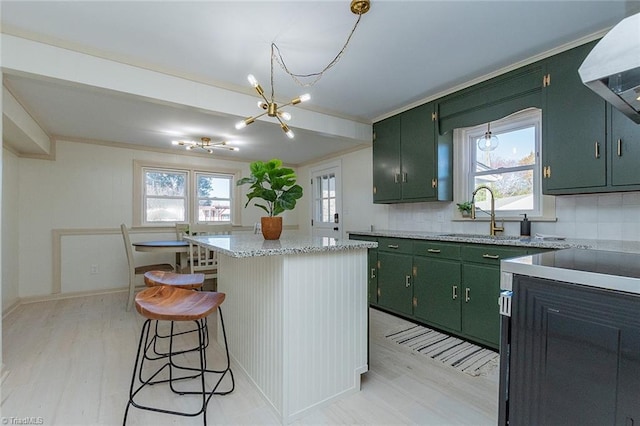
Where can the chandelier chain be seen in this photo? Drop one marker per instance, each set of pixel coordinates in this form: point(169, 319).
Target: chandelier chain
point(277, 56)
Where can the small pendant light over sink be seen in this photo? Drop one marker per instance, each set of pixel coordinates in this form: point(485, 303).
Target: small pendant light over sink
point(489, 141)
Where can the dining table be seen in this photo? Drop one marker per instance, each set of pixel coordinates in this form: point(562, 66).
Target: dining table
point(179, 247)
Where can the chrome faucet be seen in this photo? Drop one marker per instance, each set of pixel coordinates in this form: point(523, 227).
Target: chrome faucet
point(493, 228)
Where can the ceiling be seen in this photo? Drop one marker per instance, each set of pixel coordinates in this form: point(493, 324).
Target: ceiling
point(403, 52)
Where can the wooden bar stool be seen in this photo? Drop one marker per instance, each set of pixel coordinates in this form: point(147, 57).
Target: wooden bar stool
point(186, 281)
point(167, 303)
point(173, 279)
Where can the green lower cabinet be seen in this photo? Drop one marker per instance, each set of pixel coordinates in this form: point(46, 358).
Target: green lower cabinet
point(480, 292)
point(373, 276)
point(395, 291)
point(436, 292)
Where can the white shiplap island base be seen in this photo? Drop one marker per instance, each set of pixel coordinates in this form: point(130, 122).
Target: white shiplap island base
point(296, 315)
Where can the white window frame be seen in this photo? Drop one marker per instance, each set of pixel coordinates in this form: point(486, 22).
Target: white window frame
point(464, 153)
point(191, 213)
point(197, 198)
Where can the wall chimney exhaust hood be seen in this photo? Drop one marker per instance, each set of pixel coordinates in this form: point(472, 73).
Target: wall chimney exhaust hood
point(612, 68)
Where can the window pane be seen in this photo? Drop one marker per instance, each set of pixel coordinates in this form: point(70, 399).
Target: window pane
point(214, 211)
point(214, 186)
point(165, 210)
point(515, 148)
point(165, 184)
point(513, 191)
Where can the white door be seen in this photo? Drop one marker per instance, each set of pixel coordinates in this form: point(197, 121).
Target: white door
point(326, 209)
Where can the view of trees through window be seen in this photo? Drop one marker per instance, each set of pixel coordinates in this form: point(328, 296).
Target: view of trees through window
point(508, 169)
point(167, 196)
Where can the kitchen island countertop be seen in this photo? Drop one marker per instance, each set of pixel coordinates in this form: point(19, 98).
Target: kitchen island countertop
point(254, 245)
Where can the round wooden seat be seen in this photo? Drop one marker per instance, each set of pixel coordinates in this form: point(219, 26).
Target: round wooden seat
point(188, 281)
point(176, 304)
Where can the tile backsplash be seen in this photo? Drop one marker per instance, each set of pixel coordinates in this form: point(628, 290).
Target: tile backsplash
point(614, 216)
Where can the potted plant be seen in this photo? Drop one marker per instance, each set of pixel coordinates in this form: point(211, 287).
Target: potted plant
point(465, 208)
point(276, 186)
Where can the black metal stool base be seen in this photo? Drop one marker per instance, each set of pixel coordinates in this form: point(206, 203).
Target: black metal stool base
point(146, 344)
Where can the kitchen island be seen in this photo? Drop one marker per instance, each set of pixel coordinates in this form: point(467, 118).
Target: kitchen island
point(295, 314)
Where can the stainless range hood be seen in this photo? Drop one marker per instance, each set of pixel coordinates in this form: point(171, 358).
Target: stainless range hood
point(612, 69)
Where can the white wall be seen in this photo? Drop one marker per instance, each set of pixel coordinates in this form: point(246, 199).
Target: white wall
point(89, 186)
point(10, 242)
point(358, 210)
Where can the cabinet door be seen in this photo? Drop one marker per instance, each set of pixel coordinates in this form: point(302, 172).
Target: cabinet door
point(373, 276)
point(394, 282)
point(386, 160)
point(574, 355)
point(418, 153)
point(625, 150)
point(573, 144)
point(436, 289)
point(480, 316)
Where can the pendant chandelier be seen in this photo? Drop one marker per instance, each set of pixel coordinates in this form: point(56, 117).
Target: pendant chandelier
point(205, 144)
point(269, 106)
point(489, 141)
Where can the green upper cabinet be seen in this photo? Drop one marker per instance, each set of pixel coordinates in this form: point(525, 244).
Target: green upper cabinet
point(588, 146)
point(417, 154)
point(574, 131)
point(411, 162)
point(625, 152)
point(386, 160)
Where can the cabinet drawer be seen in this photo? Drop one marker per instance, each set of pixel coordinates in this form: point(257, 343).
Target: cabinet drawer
point(489, 254)
point(396, 245)
point(436, 249)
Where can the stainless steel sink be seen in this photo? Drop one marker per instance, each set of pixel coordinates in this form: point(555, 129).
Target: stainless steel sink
point(482, 236)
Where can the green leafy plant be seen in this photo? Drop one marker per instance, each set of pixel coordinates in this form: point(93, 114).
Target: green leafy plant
point(274, 184)
point(464, 207)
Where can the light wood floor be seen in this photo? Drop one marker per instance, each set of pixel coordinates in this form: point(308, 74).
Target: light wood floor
point(70, 362)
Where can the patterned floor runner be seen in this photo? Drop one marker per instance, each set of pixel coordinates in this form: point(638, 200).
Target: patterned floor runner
point(460, 354)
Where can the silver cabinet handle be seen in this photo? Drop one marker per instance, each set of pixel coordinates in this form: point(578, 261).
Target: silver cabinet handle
point(404, 177)
point(407, 281)
point(396, 178)
point(392, 246)
point(467, 295)
point(491, 256)
point(619, 147)
point(597, 150)
point(373, 272)
point(433, 250)
point(454, 292)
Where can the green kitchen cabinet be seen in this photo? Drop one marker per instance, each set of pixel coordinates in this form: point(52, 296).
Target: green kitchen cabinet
point(372, 267)
point(574, 131)
point(436, 284)
point(395, 290)
point(481, 289)
point(479, 298)
point(386, 160)
point(411, 161)
point(372, 280)
point(625, 152)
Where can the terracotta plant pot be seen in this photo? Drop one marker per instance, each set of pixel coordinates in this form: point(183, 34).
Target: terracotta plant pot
point(271, 227)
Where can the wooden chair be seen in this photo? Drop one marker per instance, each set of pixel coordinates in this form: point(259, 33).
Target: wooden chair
point(174, 304)
point(137, 270)
point(202, 259)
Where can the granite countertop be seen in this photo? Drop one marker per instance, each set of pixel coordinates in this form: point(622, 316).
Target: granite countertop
point(593, 268)
point(506, 240)
point(254, 245)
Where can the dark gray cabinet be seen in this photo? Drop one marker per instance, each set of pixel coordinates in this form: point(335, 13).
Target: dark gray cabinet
point(575, 355)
